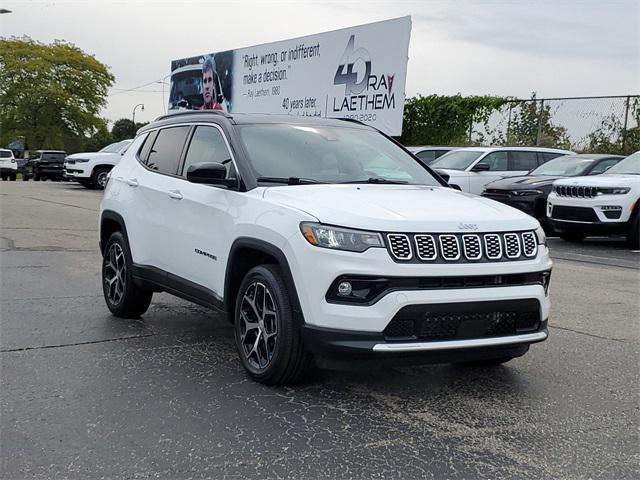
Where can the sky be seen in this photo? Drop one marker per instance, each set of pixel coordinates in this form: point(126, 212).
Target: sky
point(501, 47)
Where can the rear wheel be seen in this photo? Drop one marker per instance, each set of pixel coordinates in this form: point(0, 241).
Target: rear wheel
point(4, 177)
point(123, 297)
point(267, 334)
point(12, 177)
point(99, 178)
point(572, 237)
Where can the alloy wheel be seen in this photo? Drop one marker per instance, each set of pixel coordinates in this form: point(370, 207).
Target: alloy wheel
point(259, 325)
point(115, 270)
point(102, 179)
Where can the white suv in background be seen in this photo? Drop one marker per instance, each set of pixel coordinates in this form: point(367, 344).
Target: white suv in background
point(602, 205)
point(92, 168)
point(470, 169)
point(8, 165)
point(319, 238)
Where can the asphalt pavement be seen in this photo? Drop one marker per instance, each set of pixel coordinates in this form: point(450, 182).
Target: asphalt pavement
point(86, 395)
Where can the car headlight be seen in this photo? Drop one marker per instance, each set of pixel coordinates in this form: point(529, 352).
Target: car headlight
point(340, 238)
point(81, 160)
point(613, 191)
point(522, 193)
point(541, 236)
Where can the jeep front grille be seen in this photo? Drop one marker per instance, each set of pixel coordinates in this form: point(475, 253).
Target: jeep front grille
point(575, 191)
point(453, 247)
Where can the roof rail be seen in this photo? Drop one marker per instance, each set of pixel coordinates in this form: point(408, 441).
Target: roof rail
point(352, 120)
point(193, 112)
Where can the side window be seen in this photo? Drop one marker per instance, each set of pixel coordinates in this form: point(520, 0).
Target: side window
point(167, 148)
point(145, 148)
point(603, 166)
point(549, 156)
point(208, 145)
point(497, 161)
point(522, 161)
point(439, 153)
point(427, 156)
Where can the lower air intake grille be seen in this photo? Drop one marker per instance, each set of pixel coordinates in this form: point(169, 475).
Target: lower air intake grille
point(460, 321)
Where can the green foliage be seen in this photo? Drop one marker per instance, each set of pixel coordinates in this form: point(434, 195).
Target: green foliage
point(100, 139)
point(611, 137)
point(445, 120)
point(50, 94)
point(531, 125)
point(124, 129)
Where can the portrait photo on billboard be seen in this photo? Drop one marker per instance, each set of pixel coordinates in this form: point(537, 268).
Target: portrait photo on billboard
point(203, 82)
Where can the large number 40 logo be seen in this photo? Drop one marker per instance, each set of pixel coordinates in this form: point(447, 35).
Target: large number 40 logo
point(352, 63)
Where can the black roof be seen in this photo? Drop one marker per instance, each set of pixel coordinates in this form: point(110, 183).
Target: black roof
point(251, 118)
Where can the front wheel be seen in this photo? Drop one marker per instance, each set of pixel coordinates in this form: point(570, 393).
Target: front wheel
point(12, 177)
point(100, 177)
point(267, 334)
point(123, 297)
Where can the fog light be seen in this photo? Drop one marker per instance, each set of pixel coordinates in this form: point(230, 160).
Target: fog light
point(344, 289)
point(610, 207)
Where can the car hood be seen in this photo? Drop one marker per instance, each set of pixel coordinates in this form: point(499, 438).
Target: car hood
point(400, 208)
point(604, 180)
point(95, 156)
point(524, 182)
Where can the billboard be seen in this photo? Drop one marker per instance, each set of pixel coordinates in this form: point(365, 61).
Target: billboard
point(357, 72)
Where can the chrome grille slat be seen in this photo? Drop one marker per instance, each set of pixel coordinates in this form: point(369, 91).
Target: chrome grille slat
point(449, 247)
point(529, 244)
point(511, 245)
point(425, 247)
point(400, 246)
point(472, 247)
point(493, 246)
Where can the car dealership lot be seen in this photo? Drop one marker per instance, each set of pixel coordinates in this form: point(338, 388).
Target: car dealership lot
point(87, 395)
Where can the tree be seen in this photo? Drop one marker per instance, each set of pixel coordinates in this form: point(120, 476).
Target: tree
point(445, 120)
point(100, 139)
point(611, 136)
point(50, 94)
point(531, 125)
point(124, 129)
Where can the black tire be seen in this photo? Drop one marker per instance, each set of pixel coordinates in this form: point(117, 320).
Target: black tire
point(13, 177)
point(572, 237)
point(99, 178)
point(86, 183)
point(36, 177)
point(4, 177)
point(128, 301)
point(288, 359)
point(633, 237)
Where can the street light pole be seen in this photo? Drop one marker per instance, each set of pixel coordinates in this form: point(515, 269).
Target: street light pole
point(134, 113)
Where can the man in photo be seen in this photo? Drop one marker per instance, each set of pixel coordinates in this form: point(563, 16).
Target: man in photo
point(211, 88)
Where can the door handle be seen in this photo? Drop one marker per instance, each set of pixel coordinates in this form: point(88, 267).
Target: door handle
point(175, 194)
point(133, 182)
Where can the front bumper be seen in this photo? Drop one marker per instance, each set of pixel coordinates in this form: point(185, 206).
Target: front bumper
point(341, 345)
point(590, 216)
point(315, 269)
point(7, 169)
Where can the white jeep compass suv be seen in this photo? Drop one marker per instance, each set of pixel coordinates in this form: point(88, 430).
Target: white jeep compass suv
point(320, 239)
point(603, 205)
point(8, 165)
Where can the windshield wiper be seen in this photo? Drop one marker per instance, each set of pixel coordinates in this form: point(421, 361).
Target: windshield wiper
point(288, 180)
point(378, 180)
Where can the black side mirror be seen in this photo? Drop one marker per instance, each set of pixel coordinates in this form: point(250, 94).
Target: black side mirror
point(481, 167)
point(210, 173)
point(455, 187)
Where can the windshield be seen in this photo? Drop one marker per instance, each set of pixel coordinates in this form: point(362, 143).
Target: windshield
point(456, 160)
point(330, 155)
point(115, 147)
point(629, 166)
point(5, 154)
point(568, 166)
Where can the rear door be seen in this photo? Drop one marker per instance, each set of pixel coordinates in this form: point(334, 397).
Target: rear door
point(154, 184)
point(521, 162)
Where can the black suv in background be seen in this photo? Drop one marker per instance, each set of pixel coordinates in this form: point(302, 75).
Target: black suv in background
point(44, 164)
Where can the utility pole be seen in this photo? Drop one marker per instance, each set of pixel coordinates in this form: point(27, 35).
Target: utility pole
point(624, 129)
